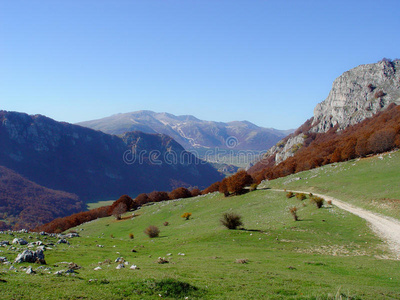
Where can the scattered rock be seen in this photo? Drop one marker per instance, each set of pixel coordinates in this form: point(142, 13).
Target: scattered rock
point(19, 241)
point(97, 268)
point(120, 260)
point(120, 266)
point(30, 271)
point(3, 259)
point(182, 254)
point(4, 243)
point(59, 273)
point(72, 235)
point(133, 267)
point(242, 261)
point(31, 257)
point(162, 260)
point(133, 250)
point(62, 241)
point(100, 246)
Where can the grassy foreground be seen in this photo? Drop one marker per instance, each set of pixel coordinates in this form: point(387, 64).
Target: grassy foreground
point(372, 183)
point(329, 254)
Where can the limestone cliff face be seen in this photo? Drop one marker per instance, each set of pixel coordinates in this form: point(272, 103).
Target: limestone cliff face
point(355, 95)
point(358, 94)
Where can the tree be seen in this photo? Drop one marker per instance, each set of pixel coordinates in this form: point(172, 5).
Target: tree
point(118, 210)
point(180, 192)
point(238, 181)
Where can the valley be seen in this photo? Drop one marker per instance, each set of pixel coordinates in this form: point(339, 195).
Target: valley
point(328, 254)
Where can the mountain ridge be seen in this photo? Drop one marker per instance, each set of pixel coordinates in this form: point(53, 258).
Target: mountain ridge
point(189, 131)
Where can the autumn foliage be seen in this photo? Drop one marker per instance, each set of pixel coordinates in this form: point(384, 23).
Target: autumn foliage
point(180, 192)
point(374, 135)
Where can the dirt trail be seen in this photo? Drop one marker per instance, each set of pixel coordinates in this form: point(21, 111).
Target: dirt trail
point(386, 227)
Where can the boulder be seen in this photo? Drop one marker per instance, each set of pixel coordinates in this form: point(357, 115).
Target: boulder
point(31, 257)
point(19, 241)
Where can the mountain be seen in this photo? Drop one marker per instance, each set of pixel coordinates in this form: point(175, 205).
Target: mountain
point(95, 165)
point(25, 204)
point(191, 132)
point(356, 95)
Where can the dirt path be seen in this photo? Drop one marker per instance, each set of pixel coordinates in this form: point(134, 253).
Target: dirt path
point(386, 227)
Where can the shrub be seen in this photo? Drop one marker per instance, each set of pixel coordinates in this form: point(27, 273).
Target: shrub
point(152, 231)
point(166, 223)
point(318, 201)
point(301, 196)
point(142, 199)
point(158, 196)
point(231, 220)
point(124, 199)
point(293, 212)
point(237, 182)
point(118, 210)
point(195, 192)
point(289, 195)
point(329, 202)
point(180, 192)
point(131, 236)
point(186, 215)
point(212, 188)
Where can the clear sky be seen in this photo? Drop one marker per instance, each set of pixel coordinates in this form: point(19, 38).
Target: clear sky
point(268, 62)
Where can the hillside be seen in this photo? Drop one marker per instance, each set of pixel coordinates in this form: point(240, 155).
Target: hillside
point(371, 136)
point(356, 95)
point(24, 204)
point(370, 183)
point(192, 133)
point(328, 254)
point(94, 165)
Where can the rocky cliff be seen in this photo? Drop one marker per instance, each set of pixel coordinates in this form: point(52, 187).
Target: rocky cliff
point(355, 95)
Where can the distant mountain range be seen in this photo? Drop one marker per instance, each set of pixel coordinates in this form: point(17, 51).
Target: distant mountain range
point(91, 164)
point(190, 132)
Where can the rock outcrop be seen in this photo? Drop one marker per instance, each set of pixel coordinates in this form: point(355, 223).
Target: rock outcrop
point(355, 95)
point(359, 94)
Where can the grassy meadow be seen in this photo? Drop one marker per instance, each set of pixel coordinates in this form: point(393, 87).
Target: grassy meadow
point(328, 254)
point(372, 183)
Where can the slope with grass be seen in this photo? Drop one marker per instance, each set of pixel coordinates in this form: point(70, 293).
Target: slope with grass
point(371, 183)
point(328, 254)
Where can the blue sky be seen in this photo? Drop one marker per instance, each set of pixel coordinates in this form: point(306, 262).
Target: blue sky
point(268, 62)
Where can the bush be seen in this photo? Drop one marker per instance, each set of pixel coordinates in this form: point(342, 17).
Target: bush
point(142, 199)
point(158, 196)
point(180, 192)
point(166, 223)
point(301, 196)
point(118, 210)
point(289, 195)
point(318, 201)
point(231, 220)
point(186, 215)
point(293, 212)
point(131, 236)
point(237, 182)
point(195, 192)
point(152, 231)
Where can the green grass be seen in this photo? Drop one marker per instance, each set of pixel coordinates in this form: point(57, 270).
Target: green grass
point(93, 205)
point(372, 183)
point(327, 255)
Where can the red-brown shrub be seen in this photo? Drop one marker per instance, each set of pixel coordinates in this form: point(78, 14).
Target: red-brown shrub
point(180, 192)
